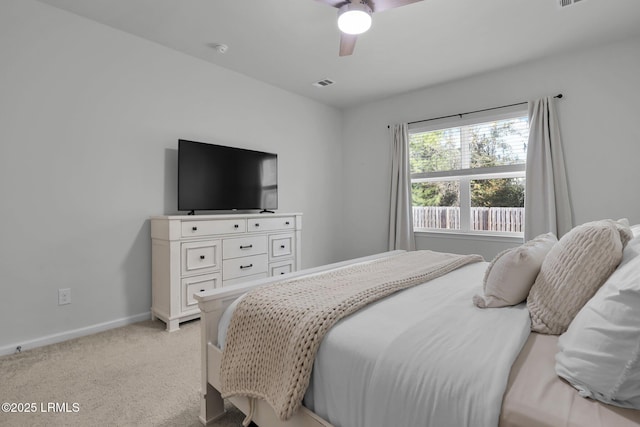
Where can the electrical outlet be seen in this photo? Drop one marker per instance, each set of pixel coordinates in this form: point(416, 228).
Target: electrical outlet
point(64, 296)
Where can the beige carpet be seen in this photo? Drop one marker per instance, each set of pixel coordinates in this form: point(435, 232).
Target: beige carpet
point(137, 375)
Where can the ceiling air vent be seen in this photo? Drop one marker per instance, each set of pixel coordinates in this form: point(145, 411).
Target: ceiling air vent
point(328, 82)
point(565, 3)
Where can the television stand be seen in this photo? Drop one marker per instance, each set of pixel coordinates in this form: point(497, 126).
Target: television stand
point(191, 212)
point(266, 211)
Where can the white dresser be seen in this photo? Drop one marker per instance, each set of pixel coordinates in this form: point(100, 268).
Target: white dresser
point(193, 253)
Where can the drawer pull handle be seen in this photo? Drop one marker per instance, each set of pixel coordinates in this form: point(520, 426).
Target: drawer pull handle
point(242, 267)
point(194, 228)
point(282, 272)
point(286, 223)
point(201, 256)
point(257, 224)
point(201, 290)
point(236, 226)
point(281, 246)
point(246, 247)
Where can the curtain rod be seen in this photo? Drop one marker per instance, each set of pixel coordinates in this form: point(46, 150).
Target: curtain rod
point(559, 96)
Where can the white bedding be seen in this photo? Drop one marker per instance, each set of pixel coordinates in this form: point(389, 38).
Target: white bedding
point(425, 356)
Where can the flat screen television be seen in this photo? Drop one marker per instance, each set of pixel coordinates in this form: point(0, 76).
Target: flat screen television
point(217, 177)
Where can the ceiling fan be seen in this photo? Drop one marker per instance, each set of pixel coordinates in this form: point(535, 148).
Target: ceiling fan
point(354, 17)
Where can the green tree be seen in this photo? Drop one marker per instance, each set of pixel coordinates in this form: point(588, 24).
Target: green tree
point(433, 151)
point(435, 193)
point(499, 192)
point(489, 147)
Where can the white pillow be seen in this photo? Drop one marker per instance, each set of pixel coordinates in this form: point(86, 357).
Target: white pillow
point(626, 233)
point(635, 229)
point(600, 352)
point(511, 274)
point(572, 272)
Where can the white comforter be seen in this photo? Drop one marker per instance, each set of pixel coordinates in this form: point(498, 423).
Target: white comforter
point(425, 356)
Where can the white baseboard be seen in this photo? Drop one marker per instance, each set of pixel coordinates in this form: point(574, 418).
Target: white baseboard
point(75, 333)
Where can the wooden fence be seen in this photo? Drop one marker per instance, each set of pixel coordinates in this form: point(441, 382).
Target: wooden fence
point(482, 219)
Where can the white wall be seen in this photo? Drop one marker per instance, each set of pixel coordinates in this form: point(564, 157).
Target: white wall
point(89, 123)
point(598, 116)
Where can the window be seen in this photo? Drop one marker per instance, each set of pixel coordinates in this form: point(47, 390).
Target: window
point(468, 175)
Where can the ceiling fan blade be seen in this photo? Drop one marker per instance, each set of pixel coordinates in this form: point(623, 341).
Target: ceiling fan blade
point(333, 3)
point(380, 5)
point(347, 43)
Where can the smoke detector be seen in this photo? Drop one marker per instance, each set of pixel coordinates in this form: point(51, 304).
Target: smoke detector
point(219, 47)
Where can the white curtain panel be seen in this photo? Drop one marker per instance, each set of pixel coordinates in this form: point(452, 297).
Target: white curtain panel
point(400, 214)
point(547, 206)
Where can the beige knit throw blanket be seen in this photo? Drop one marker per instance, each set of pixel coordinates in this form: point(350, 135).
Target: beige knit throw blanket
point(276, 329)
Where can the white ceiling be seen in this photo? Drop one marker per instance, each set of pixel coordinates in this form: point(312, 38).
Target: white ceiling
point(293, 43)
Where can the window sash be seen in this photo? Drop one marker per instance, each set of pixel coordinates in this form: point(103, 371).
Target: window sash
point(465, 202)
point(464, 124)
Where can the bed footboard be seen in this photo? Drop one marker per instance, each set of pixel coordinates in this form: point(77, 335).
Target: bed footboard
point(211, 309)
point(211, 402)
point(212, 305)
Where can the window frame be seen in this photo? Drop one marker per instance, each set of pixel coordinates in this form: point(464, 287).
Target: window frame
point(465, 176)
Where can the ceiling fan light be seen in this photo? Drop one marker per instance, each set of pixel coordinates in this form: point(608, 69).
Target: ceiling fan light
point(354, 18)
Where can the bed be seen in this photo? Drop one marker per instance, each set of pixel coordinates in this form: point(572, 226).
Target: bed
point(425, 355)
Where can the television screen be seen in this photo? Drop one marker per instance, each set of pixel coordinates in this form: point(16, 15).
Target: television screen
point(216, 177)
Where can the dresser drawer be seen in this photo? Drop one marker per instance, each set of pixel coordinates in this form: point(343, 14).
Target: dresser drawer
point(266, 224)
point(213, 226)
point(197, 284)
point(280, 268)
point(245, 266)
point(200, 257)
point(281, 246)
point(244, 246)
